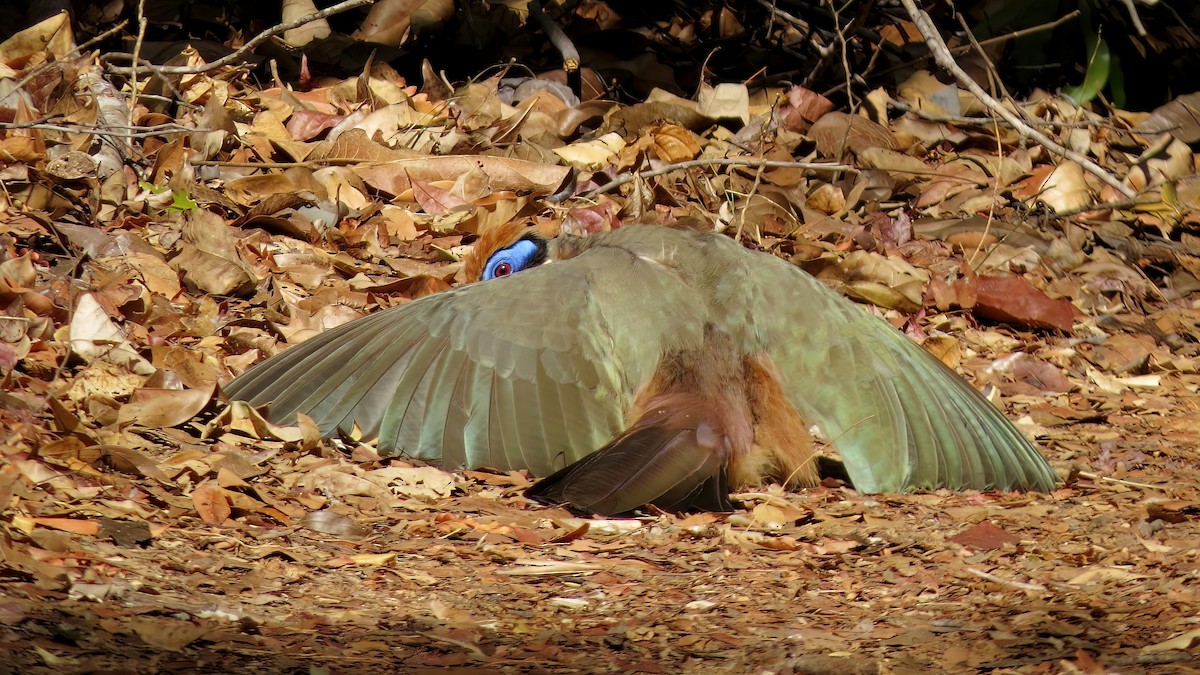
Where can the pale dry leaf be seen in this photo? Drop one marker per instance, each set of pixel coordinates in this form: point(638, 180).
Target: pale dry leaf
point(242, 417)
point(894, 163)
point(94, 336)
point(594, 154)
point(727, 100)
point(309, 32)
point(673, 143)
point(1182, 642)
point(1065, 188)
point(208, 257)
point(157, 408)
point(1101, 574)
point(773, 515)
point(884, 281)
point(333, 523)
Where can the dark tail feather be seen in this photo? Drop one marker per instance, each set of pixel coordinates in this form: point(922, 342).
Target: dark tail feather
point(672, 459)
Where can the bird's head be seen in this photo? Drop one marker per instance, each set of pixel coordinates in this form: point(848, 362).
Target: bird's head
point(508, 249)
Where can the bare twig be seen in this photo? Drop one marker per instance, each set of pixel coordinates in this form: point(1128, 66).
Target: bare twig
point(132, 131)
point(941, 55)
point(1128, 483)
point(236, 56)
point(727, 161)
point(137, 55)
point(1006, 582)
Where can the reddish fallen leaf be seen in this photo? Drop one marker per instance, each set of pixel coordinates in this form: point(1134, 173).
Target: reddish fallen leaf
point(434, 200)
point(306, 125)
point(1041, 375)
point(984, 537)
point(572, 535)
point(1014, 300)
point(211, 504)
point(804, 107)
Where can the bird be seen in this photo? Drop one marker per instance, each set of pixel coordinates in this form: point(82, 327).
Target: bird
point(647, 365)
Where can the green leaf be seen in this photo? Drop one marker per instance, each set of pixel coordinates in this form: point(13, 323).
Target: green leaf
point(154, 189)
point(1096, 77)
point(182, 202)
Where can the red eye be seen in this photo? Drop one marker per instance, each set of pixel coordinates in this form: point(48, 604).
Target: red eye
point(503, 269)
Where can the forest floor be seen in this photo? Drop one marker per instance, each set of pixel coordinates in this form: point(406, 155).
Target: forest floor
point(141, 531)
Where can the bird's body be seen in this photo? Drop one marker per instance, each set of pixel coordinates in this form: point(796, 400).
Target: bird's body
point(647, 364)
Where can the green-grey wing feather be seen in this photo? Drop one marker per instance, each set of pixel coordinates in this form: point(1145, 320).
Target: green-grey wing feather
point(531, 371)
point(900, 419)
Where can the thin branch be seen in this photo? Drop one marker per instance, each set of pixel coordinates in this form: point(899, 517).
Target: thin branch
point(941, 55)
point(141, 132)
point(236, 56)
point(1006, 582)
point(728, 161)
point(1128, 483)
point(137, 55)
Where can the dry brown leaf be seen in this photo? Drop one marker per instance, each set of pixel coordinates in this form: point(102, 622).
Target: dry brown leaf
point(673, 143)
point(503, 173)
point(804, 107)
point(212, 504)
point(166, 633)
point(51, 35)
point(897, 164)
point(838, 132)
point(1180, 118)
point(132, 462)
point(308, 32)
point(1042, 376)
point(157, 408)
point(332, 523)
point(772, 515)
point(1065, 188)
point(436, 201)
point(884, 281)
point(208, 258)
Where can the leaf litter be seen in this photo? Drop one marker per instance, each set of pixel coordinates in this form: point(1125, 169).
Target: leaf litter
point(139, 537)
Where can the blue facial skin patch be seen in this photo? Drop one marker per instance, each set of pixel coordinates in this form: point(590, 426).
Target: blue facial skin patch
point(521, 255)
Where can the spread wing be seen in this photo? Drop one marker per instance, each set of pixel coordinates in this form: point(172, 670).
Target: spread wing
point(900, 419)
point(535, 370)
